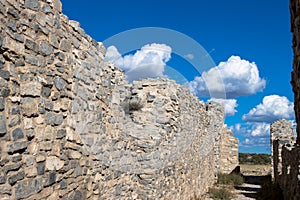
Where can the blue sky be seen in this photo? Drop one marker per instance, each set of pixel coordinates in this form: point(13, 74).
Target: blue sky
point(253, 30)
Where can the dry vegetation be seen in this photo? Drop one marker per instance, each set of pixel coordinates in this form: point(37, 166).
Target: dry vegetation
point(255, 170)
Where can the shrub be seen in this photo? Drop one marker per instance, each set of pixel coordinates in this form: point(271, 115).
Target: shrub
point(270, 191)
point(230, 179)
point(254, 159)
point(135, 105)
point(130, 105)
point(220, 193)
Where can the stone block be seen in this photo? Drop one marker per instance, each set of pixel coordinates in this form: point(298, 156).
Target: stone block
point(3, 129)
point(54, 119)
point(32, 4)
point(45, 48)
point(61, 134)
point(40, 168)
point(12, 179)
point(17, 134)
point(65, 45)
point(5, 189)
point(29, 44)
point(74, 154)
point(13, 13)
point(30, 106)
point(78, 195)
point(31, 89)
point(4, 74)
point(13, 45)
point(17, 146)
point(13, 121)
point(25, 188)
point(2, 178)
point(59, 83)
point(46, 92)
point(2, 104)
point(12, 167)
point(54, 163)
point(50, 179)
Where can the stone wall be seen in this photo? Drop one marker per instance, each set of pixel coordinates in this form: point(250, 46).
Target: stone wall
point(72, 127)
point(295, 29)
point(285, 146)
point(282, 135)
point(285, 159)
point(229, 148)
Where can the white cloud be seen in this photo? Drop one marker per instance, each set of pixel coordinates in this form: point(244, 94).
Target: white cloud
point(272, 108)
point(259, 129)
point(237, 76)
point(149, 61)
point(256, 142)
point(247, 141)
point(228, 104)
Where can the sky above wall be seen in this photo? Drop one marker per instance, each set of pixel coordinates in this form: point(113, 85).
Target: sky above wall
point(234, 52)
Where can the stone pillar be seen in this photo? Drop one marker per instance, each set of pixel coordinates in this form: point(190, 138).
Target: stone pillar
point(281, 134)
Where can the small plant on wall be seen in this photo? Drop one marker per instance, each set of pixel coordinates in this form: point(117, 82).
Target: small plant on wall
point(133, 104)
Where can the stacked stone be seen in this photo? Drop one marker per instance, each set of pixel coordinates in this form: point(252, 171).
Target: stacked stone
point(229, 152)
point(282, 135)
point(68, 128)
point(285, 158)
point(49, 72)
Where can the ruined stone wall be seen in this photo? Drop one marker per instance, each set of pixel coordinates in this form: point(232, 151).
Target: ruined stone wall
point(285, 158)
point(285, 147)
point(281, 135)
point(71, 126)
point(295, 29)
point(229, 151)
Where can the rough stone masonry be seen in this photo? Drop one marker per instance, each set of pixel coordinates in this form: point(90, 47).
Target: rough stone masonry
point(285, 146)
point(72, 127)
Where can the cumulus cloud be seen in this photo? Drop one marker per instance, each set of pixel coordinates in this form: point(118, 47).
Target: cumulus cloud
point(261, 142)
point(235, 77)
point(228, 104)
point(149, 61)
point(271, 109)
point(253, 135)
point(259, 129)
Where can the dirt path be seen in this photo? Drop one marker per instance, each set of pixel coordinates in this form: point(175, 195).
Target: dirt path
point(249, 190)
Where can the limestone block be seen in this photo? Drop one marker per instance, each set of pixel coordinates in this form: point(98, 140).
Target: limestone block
point(5, 189)
point(56, 4)
point(31, 89)
point(29, 106)
point(28, 123)
point(74, 154)
point(54, 163)
point(65, 45)
point(13, 45)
